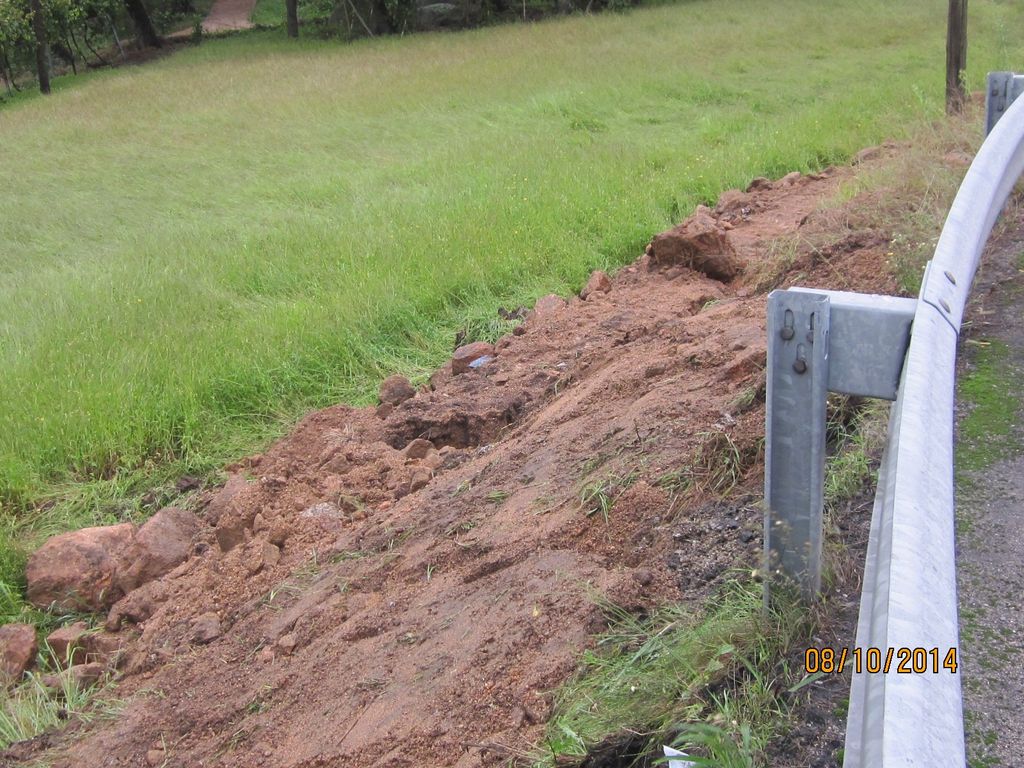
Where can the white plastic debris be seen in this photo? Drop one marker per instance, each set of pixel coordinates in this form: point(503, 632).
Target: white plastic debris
point(669, 752)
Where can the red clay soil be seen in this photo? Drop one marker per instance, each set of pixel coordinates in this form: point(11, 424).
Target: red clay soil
point(362, 620)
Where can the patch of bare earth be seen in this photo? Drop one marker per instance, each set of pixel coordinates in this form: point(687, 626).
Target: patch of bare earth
point(358, 597)
point(228, 16)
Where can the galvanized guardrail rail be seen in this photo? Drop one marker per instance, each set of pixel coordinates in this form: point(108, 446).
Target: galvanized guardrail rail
point(902, 350)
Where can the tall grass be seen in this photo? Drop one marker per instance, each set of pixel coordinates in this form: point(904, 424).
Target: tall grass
point(708, 680)
point(196, 251)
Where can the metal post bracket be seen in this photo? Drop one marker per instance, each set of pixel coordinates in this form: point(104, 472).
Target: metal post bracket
point(869, 338)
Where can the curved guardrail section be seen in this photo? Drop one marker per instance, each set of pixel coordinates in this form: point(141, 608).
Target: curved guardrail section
point(909, 597)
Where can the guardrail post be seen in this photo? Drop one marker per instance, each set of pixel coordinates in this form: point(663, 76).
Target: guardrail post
point(1003, 88)
point(797, 388)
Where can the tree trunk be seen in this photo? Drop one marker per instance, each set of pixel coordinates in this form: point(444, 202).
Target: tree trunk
point(42, 48)
point(143, 25)
point(292, 11)
point(956, 55)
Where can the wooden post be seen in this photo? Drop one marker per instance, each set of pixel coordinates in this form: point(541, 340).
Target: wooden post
point(956, 56)
point(292, 17)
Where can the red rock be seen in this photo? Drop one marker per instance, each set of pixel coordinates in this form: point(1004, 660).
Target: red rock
point(432, 461)
point(467, 354)
point(279, 533)
point(395, 390)
point(384, 410)
point(18, 650)
point(103, 648)
point(230, 533)
point(78, 570)
point(66, 643)
point(225, 500)
point(86, 675)
point(138, 605)
point(759, 184)
point(418, 448)
point(287, 644)
point(271, 555)
point(420, 477)
point(206, 628)
point(599, 282)
point(156, 758)
point(550, 304)
point(790, 179)
point(162, 543)
point(700, 244)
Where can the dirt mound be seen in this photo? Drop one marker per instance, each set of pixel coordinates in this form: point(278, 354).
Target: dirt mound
point(360, 597)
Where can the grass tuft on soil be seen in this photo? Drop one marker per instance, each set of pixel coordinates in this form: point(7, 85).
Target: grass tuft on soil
point(707, 681)
point(38, 704)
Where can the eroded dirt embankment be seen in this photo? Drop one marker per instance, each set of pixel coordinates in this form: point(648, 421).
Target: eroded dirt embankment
point(359, 597)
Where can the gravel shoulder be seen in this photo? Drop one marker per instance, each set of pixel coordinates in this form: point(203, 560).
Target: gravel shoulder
point(990, 505)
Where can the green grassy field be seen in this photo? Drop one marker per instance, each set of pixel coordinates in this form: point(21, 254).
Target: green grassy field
point(198, 250)
point(271, 13)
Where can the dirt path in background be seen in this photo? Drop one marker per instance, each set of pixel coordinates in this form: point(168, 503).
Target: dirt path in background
point(384, 601)
point(990, 514)
point(228, 15)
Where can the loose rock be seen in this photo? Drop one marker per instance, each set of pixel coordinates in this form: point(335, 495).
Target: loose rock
point(162, 543)
point(230, 533)
point(77, 571)
point(206, 628)
point(18, 650)
point(67, 643)
point(86, 675)
point(420, 477)
point(700, 244)
point(271, 555)
point(137, 606)
point(467, 354)
point(547, 305)
point(224, 501)
point(395, 390)
point(286, 644)
point(599, 282)
point(418, 448)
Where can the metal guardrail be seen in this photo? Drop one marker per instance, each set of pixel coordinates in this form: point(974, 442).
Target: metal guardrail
point(822, 341)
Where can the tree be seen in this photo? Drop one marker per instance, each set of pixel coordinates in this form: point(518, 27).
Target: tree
point(42, 48)
point(143, 24)
point(292, 10)
point(956, 55)
point(15, 37)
